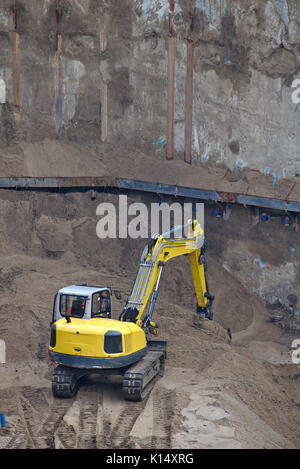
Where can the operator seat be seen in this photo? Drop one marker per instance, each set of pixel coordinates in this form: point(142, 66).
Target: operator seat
point(77, 309)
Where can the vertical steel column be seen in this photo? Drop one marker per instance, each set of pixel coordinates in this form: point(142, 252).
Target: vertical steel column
point(189, 89)
point(15, 59)
point(103, 95)
point(171, 85)
point(58, 90)
point(58, 97)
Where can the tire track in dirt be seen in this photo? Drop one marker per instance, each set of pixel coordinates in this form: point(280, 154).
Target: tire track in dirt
point(102, 422)
point(28, 415)
point(87, 422)
point(163, 409)
point(56, 411)
point(120, 435)
point(26, 434)
point(15, 443)
point(112, 404)
point(100, 419)
point(88, 398)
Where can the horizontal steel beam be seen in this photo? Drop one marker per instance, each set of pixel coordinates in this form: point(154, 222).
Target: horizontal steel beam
point(202, 194)
point(266, 202)
point(168, 189)
point(94, 182)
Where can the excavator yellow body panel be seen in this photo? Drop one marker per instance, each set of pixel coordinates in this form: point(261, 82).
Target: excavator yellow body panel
point(96, 338)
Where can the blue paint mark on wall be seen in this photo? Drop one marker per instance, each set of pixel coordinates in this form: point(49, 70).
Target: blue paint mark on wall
point(162, 143)
point(204, 156)
point(276, 177)
point(267, 171)
point(282, 9)
point(239, 164)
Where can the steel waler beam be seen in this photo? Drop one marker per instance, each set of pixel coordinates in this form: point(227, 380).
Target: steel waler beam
point(102, 182)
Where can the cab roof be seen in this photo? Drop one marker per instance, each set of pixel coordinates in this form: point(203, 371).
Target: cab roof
point(81, 290)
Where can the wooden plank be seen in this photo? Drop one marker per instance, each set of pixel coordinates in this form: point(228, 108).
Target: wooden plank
point(57, 63)
point(58, 87)
point(103, 41)
point(189, 102)
point(16, 68)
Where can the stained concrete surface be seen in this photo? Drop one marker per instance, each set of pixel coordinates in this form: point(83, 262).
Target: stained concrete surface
point(69, 55)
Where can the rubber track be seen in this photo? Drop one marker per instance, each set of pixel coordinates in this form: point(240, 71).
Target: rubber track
point(63, 382)
point(140, 378)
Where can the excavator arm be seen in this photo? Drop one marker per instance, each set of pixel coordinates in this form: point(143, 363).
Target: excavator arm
point(159, 250)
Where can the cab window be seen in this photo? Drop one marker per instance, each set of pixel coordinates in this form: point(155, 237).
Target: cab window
point(73, 306)
point(101, 306)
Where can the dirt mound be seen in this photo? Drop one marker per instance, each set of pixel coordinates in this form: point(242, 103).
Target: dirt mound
point(214, 393)
point(211, 330)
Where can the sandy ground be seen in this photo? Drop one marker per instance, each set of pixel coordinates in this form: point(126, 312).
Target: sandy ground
point(215, 394)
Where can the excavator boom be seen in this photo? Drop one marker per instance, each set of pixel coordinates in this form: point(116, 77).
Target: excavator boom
point(156, 254)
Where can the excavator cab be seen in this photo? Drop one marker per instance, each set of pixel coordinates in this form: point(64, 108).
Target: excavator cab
point(82, 302)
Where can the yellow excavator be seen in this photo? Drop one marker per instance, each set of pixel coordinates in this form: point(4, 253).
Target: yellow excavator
point(85, 339)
